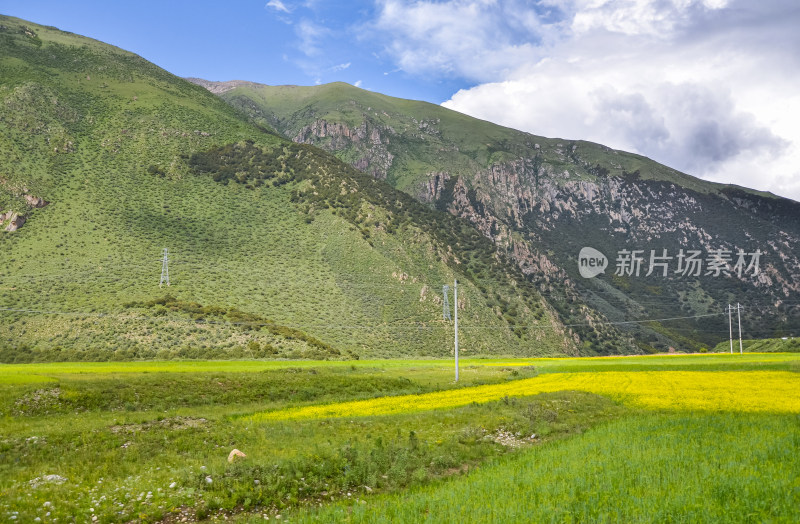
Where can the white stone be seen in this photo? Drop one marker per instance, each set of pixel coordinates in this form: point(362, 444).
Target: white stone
point(234, 454)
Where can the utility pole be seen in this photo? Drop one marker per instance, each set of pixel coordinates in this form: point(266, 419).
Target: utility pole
point(739, 314)
point(455, 306)
point(164, 269)
point(730, 325)
point(446, 313)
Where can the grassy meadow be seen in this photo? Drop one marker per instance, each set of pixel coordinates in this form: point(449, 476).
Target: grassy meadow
point(698, 438)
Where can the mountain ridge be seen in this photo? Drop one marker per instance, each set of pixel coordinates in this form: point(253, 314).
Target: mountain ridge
point(221, 87)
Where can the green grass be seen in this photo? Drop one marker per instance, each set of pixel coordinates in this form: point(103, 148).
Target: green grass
point(654, 468)
point(422, 369)
point(134, 428)
point(134, 433)
point(767, 345)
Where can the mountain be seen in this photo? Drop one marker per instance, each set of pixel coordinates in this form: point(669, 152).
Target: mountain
point(274, 249)
point(541, 200)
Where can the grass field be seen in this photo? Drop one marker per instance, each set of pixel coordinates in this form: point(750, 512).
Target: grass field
point(605, 439)
point(646, 468)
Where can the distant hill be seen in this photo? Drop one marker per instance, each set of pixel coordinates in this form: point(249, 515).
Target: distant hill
point(540, 200)
point(275, 249)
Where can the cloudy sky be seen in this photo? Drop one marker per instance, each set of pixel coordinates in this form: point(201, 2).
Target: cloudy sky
point(710, 87)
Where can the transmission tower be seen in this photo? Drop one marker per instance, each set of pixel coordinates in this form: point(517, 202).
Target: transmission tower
point(164, 269)
point(446, 303)
point(730, 309)
point(730, 325)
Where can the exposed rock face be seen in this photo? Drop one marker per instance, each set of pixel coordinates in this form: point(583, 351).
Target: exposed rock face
point(515, 196)
point(373, 156)
point(434, 187)
point(340, 134)
point(16, 221)
point(35, 202)
point(219, 87)
point(541, 216)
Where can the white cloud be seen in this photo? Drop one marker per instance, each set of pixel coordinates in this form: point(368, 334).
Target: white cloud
point(278, 6)
point(357, 83)
point(339, 67)
point(705, 86)
point(477, 40)
point(637, 17)
point(310, 35)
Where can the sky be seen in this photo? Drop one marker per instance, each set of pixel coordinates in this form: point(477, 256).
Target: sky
point(709, 87)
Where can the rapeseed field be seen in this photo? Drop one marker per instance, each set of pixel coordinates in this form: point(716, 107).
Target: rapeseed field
point(733, 391)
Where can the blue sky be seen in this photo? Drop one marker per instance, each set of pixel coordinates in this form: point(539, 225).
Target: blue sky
point(301, 43)
point(705, 86)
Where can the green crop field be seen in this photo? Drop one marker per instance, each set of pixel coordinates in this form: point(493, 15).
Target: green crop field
point(701, 438)
point(676, 468)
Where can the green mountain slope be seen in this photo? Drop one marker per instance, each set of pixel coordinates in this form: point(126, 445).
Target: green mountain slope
point(541, 200)
point(275, 249)
point(419, 137)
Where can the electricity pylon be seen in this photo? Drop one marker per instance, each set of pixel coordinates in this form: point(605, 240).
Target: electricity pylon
point(164, 269)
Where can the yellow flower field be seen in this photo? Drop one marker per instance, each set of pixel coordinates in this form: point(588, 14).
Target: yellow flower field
point(742, 391)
